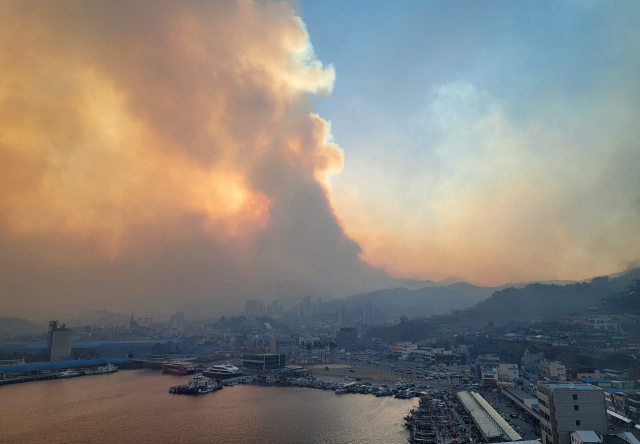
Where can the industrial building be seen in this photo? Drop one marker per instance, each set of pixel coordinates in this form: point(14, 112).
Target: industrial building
point(567, 407)
point(264, 361)
point(107, 349)
point(60, 339)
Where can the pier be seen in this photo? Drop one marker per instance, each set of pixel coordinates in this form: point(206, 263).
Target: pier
point(40, 371)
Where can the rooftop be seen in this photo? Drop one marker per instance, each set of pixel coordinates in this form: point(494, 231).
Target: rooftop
point(569, 386)
point(588, 436)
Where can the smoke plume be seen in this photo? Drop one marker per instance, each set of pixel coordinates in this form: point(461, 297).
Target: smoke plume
point(163, 154)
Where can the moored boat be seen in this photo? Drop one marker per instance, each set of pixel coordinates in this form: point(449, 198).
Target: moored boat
point(225, 371)
point(109, 368)
point(197, 385)
point(68, 374)
point(179, 368)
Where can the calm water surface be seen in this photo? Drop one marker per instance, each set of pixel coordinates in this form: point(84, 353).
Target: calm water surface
point(134, 406)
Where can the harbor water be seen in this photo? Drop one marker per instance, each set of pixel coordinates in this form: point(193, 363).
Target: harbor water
point(134, 406)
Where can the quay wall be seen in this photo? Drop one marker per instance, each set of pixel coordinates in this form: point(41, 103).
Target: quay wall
point(59, 365)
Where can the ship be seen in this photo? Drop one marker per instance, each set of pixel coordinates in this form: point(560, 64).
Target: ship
point(197, 385)
point(179, 368)
point(225, 371)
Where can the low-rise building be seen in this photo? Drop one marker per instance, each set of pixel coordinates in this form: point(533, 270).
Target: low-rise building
point(602, 323)
point(489, 377)
point(508, 372)
point(531, 360)
point(264, 361)
point(553, 370)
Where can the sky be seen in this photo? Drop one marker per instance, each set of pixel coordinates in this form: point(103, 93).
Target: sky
point(165, 155)
point(492, 140)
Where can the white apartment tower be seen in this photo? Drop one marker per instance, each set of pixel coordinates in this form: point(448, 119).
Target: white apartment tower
point(254, 309)
point(342, 316)
point(367, 314)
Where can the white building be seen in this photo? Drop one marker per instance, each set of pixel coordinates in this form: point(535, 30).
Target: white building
point(591, 437)
point(585, 437)
point(508, 372)
point(406, 348)
point(553, 370)
point(602, 323)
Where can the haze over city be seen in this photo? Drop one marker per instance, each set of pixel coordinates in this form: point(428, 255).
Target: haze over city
point(320, 221)
point(157, 156)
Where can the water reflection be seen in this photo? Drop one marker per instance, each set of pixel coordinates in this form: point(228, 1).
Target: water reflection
point(135, 406)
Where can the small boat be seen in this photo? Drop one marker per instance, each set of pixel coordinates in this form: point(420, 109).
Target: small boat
point(179, 368)
point(341, 391)
point(109, 368)
point(68, 374)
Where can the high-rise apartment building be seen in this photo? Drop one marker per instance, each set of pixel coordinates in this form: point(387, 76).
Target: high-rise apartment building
point(566, 407)
point(277, 311)
point(306, 306)
point(367, 314)
point(254, 309)
point(177, 321)
point(342, 316)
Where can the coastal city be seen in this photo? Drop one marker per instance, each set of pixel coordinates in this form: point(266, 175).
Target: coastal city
point(464, 392)
point(319, 222)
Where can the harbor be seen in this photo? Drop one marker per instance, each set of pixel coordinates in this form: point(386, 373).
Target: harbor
point(128, 404)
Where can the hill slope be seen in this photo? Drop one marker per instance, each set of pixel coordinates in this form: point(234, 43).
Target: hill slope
point(19, 326)
point(532, 301)
point(426, 301)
